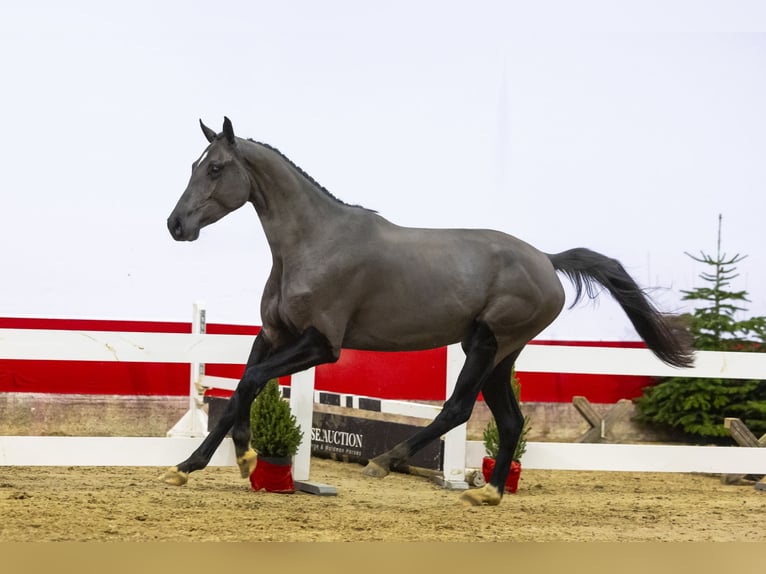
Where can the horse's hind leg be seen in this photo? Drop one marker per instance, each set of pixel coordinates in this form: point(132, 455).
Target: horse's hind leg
point(499, 397)
point(481, 348)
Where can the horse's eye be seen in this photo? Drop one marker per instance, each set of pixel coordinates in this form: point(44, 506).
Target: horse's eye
point(214, 169)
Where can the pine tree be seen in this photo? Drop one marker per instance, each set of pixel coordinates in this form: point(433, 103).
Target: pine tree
point(275, 431)
point(698, 407)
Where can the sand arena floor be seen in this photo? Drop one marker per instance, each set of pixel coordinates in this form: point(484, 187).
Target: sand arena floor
point(130, 504)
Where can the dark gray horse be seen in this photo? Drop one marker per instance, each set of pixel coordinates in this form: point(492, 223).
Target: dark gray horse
point(344, 277)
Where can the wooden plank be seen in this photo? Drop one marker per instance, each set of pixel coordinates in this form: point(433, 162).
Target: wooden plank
point(741, 433)
point(616, 414)
point(601, 427)
point(745, 438)
point(584, 407)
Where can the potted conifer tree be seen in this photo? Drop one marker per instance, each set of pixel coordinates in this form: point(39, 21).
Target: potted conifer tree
point(492, 445)
point(275, 437)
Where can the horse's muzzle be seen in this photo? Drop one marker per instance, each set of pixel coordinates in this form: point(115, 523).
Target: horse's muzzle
point(179, 231)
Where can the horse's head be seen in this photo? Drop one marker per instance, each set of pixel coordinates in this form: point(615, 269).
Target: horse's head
point(219, 184)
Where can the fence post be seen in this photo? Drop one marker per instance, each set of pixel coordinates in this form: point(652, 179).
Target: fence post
point(194, 422)
point(302, 407)
point(453, 463)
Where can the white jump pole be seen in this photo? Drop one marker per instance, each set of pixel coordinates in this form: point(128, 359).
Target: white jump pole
point(194, 422)
point(302, 407)
point(455, 440)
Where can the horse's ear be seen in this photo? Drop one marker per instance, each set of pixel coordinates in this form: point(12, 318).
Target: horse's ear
point(228, 130)
point(209, 134)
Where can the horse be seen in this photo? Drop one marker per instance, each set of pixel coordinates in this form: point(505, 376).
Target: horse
point(344, 277)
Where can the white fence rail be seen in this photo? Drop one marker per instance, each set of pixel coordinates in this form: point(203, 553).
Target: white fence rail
point(196, 348)
point(105, 451)
point(54, 345)
point(163, 452)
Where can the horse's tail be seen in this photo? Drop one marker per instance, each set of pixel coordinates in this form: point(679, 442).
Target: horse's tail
point(664, 336)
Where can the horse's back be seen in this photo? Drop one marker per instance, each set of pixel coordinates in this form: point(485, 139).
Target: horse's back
point(424, 288)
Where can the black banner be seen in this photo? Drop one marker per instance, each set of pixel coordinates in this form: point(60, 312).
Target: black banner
point(351, 438)
point(359, 440)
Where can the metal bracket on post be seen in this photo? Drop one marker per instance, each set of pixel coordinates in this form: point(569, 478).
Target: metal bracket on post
point(194, 422)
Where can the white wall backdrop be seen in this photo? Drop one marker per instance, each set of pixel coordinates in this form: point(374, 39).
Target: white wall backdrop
point(623, 128)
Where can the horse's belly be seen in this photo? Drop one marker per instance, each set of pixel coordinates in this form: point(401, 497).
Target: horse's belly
point(397, 333)
point(368, 342)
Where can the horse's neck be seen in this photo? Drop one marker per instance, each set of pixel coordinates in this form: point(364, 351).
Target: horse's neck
point(292, 208)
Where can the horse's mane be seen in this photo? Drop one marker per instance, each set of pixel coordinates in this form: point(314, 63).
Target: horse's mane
point(306, 175)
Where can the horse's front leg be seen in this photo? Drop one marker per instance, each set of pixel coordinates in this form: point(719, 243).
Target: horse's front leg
point(311, 348)
point(179, 475)
point(240, 429)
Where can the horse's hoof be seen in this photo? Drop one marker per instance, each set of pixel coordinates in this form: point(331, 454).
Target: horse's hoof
point(487, 495)
point(247, 462)
point(175, 477)
point(374, 470)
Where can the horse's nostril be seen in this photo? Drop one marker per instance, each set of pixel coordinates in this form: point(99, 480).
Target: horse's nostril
point(175, 227)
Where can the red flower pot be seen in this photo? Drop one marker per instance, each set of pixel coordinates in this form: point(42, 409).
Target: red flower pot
point(273, 474)
point(512, 482)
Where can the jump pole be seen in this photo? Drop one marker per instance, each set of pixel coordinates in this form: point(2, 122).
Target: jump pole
point(453, 462)
point(302, 408)
point(194, 423)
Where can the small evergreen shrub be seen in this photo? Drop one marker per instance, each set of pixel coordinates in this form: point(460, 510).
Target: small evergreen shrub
point(275, 431)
